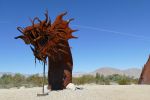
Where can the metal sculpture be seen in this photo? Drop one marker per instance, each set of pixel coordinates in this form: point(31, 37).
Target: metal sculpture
point(51, 41)
point(145, 75)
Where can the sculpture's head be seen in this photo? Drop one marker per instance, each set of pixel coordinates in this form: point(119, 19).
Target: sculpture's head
point(45, 38)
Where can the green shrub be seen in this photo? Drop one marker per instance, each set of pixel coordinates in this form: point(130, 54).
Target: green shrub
point(85, 79)
point(105, 80)
point(18, 80)
point(124, 80)
point(35, 80)
point(100, 79)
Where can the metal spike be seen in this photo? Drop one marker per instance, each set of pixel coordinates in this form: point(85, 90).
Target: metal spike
point(68, 21)
point(19, 37)
point(74, 30)
point(35, 61)
point(32, 49)
point(36, 18)
point(49, 22)
point(64, 13)
point(60, 44)
point(73, 36)
point(61, 15)
point(31, 21)
point(20, 29)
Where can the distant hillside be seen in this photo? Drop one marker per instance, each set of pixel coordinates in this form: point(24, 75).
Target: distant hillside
point(135, 72)
point(11, 73)
point(79, 74)
point(1, 73)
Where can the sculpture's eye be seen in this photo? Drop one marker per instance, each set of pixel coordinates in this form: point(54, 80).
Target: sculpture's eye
point(43, 41)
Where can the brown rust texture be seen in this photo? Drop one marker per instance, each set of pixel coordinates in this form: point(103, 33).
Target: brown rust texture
point(60, 71)
point(145, 75)
point(51, 40)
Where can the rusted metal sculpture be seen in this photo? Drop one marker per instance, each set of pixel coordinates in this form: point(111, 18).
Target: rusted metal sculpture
point(145, 75)
point(51, 40)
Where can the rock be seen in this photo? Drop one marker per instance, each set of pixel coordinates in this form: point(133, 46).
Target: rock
point(71, 86)
point(22, 87)
point(46, 90)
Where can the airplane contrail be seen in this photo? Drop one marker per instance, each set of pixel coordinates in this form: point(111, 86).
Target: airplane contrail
point(114, 32)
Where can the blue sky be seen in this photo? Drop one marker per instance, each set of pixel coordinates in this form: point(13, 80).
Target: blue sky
point(112, 33)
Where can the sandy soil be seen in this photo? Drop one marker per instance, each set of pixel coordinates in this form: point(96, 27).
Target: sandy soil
point(89, 92)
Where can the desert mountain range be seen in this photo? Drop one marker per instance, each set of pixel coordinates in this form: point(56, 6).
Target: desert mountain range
point(132, 72)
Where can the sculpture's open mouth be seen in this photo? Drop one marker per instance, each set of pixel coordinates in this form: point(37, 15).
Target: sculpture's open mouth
point(36, 37)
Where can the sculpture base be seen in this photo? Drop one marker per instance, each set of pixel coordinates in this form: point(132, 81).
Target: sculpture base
point(42, 94)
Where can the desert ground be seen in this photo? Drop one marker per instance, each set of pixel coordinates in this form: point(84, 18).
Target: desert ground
point(89, 92)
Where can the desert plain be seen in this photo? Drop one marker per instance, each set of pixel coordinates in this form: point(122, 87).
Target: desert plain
point(86, 92)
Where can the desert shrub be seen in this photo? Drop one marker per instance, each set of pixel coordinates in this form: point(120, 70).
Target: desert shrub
point(100, 79)
point(105, 80)
point(114, 77)
point(6, 81)
point(35, 80)
point(18, 80)
point(85, 79)
point(134, 80)
point(124, 80)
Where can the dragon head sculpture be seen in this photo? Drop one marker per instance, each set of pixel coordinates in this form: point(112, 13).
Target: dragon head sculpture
point(45, 38)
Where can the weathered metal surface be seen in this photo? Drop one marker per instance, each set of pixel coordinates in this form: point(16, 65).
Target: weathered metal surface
point(51, 40)
point(145, 75)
